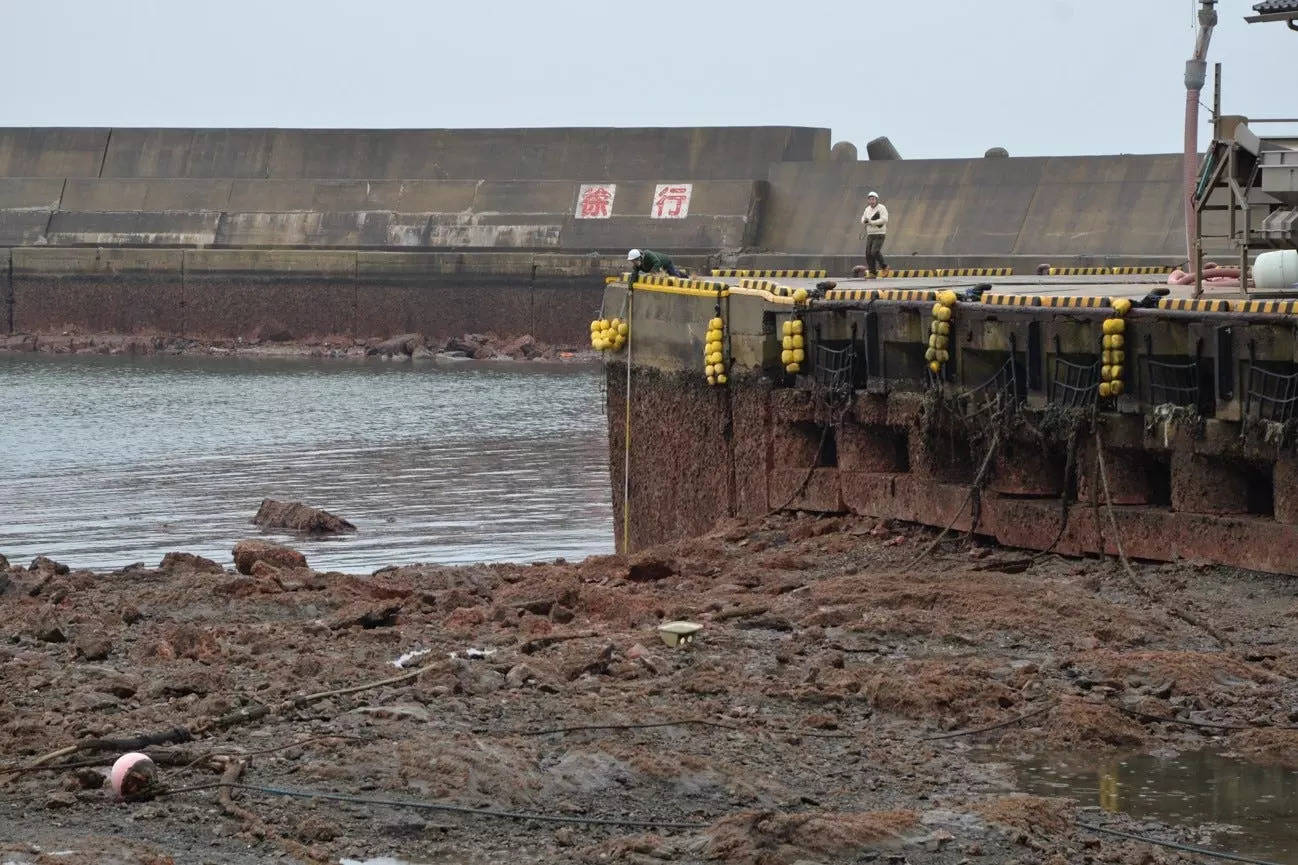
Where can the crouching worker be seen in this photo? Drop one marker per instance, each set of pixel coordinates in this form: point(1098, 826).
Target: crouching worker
point(648, 261)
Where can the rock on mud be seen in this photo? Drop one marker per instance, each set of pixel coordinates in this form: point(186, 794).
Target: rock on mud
point(248, 552)
point(189, 562)
point(298, 517)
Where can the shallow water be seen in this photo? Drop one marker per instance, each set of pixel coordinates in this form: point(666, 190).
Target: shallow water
point(111, 460)
point(1257, 805)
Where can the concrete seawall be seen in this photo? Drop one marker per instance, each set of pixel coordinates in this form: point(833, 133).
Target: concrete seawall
point(997, 209)
point(236, 293)
point(698, 153)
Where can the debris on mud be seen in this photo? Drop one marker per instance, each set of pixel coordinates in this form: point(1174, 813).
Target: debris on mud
point(838, 705)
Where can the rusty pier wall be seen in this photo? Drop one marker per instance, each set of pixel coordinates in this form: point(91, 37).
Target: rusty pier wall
point(700, 454)
point(1200, 446)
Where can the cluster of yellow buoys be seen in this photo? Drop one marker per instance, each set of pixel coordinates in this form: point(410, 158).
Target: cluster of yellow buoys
point(714, 358)
point(1112, 359)
point(794, 347)
point(939, 332)
point(608, 334)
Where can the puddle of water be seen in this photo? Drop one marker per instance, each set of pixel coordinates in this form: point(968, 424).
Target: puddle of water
point(1257, 804)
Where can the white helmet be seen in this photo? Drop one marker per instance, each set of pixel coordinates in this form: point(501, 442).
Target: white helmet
point(872, 194)
point(633, 255)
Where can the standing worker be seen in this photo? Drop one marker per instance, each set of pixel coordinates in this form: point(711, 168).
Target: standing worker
point(875, 220)
point(647, 261)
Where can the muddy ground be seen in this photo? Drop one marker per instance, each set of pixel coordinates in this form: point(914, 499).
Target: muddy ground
point(817, 705)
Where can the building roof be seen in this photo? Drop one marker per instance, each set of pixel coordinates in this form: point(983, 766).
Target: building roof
point(1271, 7)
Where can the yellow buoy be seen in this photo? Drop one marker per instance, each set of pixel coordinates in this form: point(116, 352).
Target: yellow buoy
point(624, 328)
point(1104, 389)
point(1116, 372)
point(786, 357)
point(797, 340)
point(943, 356)
point(943, 327)
point(1106, 372)
point(797, 325)
point(716, 357)
point(942, 313)
point(1115, 388)
point(712, 380)
point(931, 354)
point(934, 366)
point(1114, 326)
point(793, 367)
point(721, 379)
point(1122, 306)
point(1116, 341)
point(800, 296)
point(946, 298)
point(716, 324)
point(787, 329)
point(787, 342)
point(1118, 356)
point(799, 355)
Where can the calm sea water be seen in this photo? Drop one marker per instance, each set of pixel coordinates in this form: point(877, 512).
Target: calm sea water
point(105, 461)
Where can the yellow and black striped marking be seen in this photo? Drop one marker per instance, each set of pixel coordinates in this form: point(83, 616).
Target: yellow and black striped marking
point(911, 274)
point(776, 274)
point(852, 294)
point(1273, 307)
point(1158, 268)
point(1076, 302)
point(974, 271)
point(1190, 304)
point(679, 287)
point(708, 285)
point(907, 294)
point(1080, 271)
point(1012, 299)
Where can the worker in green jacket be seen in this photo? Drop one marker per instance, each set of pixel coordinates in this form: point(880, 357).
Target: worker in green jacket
point(647, 261)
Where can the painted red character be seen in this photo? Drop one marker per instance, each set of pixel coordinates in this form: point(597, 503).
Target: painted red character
point(595, 202)
point(675, 197)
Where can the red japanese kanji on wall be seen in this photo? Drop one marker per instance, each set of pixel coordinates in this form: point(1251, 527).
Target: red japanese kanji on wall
point(595, 200)
point(671, 200)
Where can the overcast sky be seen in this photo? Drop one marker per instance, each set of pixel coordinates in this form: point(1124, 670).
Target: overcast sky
point(940, 77)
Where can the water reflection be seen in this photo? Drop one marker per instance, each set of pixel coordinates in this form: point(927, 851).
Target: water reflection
point(109, 461)
point(1189, 789)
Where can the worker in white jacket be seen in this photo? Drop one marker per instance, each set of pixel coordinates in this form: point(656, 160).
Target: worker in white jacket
point(875, 220)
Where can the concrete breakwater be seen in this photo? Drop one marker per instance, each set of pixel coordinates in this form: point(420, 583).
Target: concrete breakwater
point(215, 294)
point(214, 232)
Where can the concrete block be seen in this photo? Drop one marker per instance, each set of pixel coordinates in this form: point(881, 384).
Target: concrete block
point(872, 448)
point(1128, 472)
point(822, 491)
point(51, 151)
point(23, 227)
point(1024, 469)
point(133, 228)
point(30, 194)
point(272, 263)
point(187, 153)
point(555, 197)
point(1284, 481)
point(1207, 485)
